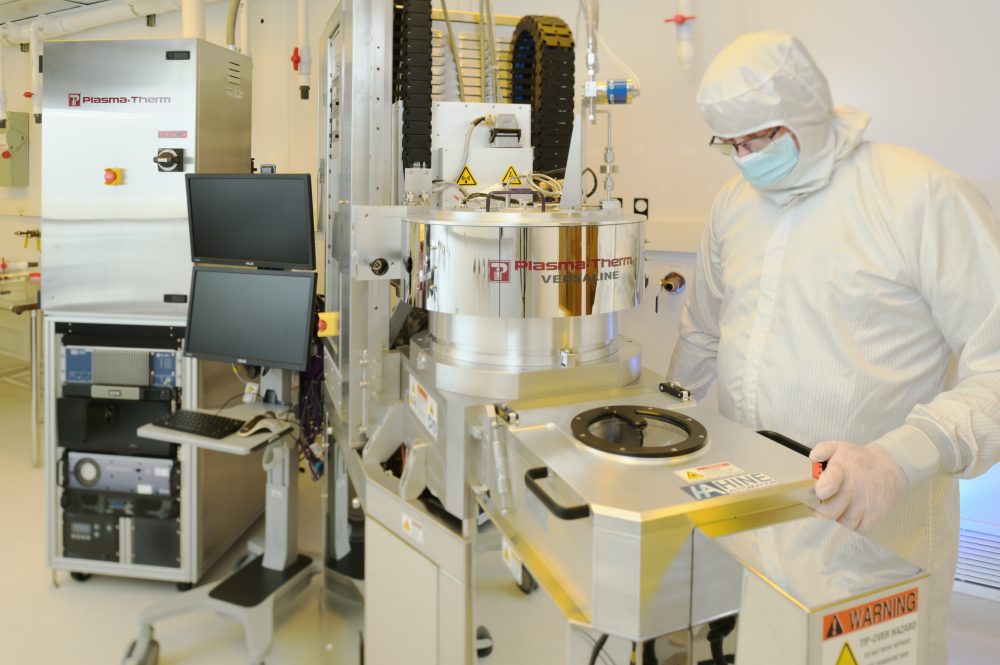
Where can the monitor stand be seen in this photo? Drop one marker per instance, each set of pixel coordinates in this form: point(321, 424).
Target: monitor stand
point(249, 594)
point(276, 386)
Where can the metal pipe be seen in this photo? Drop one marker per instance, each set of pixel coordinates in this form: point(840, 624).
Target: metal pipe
point(454, 51)
point(78, 20)
point(193, 18)
point(35, 51)
point(305, 54)
point(3, 91)
point(495, 87)
point(245, 28)
point(609, 163)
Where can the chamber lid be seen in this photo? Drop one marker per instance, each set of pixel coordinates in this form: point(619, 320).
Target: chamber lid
point(639, 431)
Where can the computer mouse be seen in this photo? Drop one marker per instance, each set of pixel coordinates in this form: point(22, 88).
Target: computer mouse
point(254, 424)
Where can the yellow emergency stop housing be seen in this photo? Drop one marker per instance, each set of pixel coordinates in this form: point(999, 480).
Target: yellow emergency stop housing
point(114, 176)
point(329, 324)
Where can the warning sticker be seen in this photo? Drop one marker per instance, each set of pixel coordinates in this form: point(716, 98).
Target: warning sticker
point(510, 177)
point(846, 656)
point(513, 561)
point(466, 178)
point(412, 528)
point(424, 407)
point(748, 482)
point(709, 472)
point(879, 632)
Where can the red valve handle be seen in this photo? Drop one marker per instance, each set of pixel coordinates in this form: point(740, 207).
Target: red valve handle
point(29, 94)
point(296, 58)
point(679, 19)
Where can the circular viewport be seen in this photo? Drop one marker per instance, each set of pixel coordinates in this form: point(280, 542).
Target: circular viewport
point(639, 431)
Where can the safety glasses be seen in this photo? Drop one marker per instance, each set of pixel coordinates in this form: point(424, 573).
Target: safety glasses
point(755, 143)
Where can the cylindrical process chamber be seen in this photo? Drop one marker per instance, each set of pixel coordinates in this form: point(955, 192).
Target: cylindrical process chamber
point(525, 289)
point(523, 343)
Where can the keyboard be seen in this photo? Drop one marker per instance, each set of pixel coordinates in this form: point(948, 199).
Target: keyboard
point(202, 424)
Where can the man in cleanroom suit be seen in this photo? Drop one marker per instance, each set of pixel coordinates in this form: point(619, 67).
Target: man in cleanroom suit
point(837, 280)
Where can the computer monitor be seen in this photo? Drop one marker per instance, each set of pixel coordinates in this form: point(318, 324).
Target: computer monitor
point(252, 220)
point(253, 317)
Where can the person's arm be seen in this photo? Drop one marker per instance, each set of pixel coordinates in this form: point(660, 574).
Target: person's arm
point(951, 249)
point(956, 264)
point(692, 363)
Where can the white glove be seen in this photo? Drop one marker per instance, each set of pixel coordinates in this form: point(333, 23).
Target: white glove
point(859, 484)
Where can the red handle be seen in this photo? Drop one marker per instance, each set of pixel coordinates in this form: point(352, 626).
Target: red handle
point(679, 19)
point(296, 58)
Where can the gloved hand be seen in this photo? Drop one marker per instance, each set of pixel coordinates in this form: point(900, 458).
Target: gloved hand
point(859, 484)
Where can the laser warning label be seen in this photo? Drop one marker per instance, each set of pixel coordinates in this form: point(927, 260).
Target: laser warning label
point(879, 632)
point(708, 472)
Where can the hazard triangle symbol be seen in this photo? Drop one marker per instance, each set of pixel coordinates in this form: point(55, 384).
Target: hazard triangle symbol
point(846, 656)
point(466, 178)
point(834, 629)
point(510, 177)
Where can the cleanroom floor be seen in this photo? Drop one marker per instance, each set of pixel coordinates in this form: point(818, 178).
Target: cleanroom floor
point(94, 621)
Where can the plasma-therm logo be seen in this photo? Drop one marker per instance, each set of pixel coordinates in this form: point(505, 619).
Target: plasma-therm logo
point(561, 272)
point(77, 99)
point(499, 271)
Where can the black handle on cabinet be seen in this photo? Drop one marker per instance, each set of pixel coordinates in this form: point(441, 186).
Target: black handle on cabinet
point(531, 478)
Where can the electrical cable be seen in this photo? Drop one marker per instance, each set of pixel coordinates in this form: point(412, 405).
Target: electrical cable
point(628, 70)
point(234, 7)
point(605, 657)
point(228, 402)
point(494, 65)
point(718, 630)
point(594, 175)
point(465, 151)
point(598, 646)
point(454, 51)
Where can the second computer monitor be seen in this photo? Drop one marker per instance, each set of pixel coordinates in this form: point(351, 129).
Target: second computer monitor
point(253, 317)
point(252, 220)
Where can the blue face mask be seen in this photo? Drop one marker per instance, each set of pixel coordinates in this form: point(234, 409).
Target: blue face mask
point(771, 165)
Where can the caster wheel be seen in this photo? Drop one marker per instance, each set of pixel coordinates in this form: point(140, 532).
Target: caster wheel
point(151, 656)
point(80, 577)
point(528, 583)
point(484, 642)
point(184, 586)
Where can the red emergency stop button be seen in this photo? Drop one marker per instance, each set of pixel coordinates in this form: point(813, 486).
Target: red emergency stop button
point(113, 176)
point(328, 324)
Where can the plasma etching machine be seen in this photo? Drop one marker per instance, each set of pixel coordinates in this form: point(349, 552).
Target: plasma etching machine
point(483, 401)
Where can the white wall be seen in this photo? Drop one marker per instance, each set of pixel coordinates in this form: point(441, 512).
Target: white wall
point(284, 127)
point(924, 71)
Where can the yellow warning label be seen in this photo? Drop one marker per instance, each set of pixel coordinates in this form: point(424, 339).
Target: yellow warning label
point(694, 475)
point(510, 177)
point(847, 656)
point(406, 525)
point(466, 178)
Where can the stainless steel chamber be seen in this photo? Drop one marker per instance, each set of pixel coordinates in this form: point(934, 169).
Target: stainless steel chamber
point(523, 289)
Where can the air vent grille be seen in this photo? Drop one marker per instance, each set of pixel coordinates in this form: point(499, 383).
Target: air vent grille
point(978, 558)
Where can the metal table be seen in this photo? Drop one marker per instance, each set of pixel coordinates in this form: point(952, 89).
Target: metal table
point(19, 297)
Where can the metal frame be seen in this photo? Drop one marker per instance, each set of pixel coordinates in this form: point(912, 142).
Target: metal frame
point(200, 546)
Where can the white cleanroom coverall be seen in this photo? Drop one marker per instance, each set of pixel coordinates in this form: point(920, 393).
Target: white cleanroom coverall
point(830, 305)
